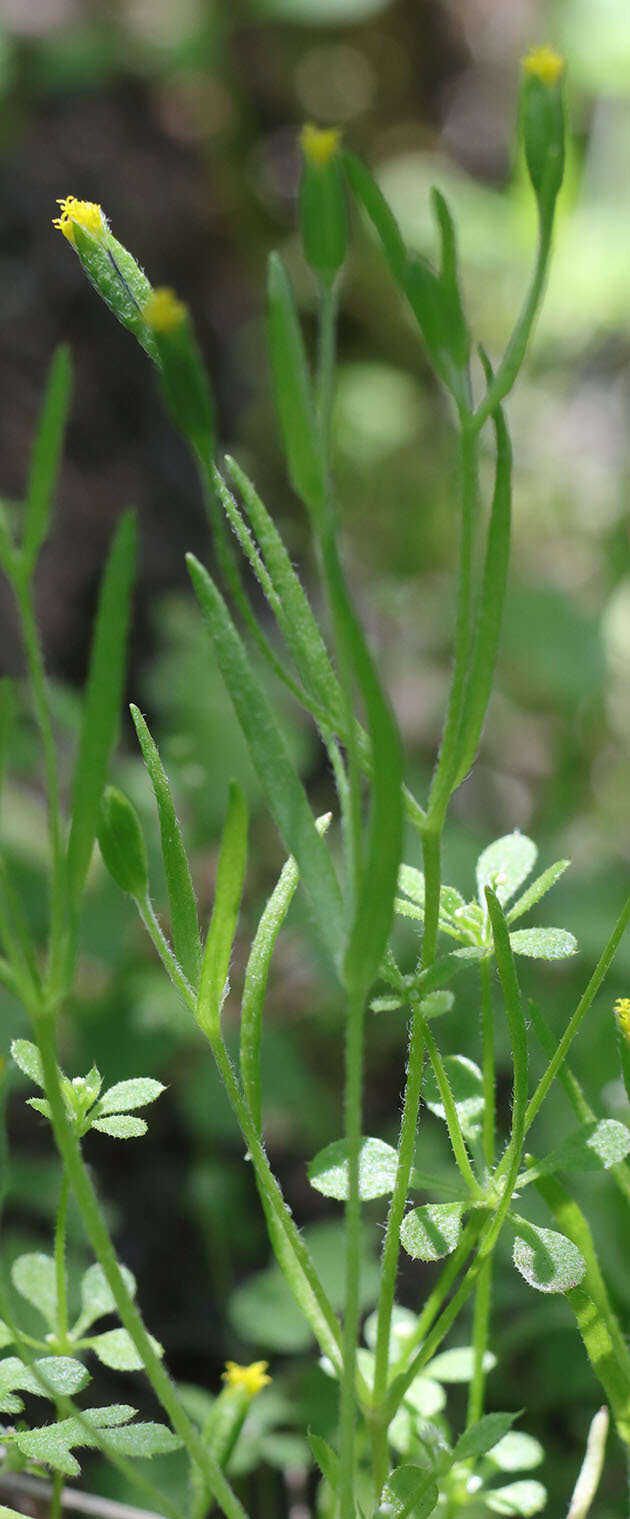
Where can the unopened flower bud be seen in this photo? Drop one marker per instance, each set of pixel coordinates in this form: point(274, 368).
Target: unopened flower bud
point(542, 116)
point(322, 205)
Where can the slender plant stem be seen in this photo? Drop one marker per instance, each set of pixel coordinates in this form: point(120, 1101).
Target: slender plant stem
point(60, 1263)
point(35, 662)
point(450, 1112)
point(327, 343)
point(353, 1110)
point(441, 1289)
point(481, 1325)
point(56, 1495)
point(517, 346)
point(431, 849)
point(391, 1248)
point(487, 1037)
point(446, 768)
point(101, 1243)
point(603, 965)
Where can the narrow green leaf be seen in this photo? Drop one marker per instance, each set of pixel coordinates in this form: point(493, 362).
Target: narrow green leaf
point(595, 1146)
point(102, 701)
point(605, 1361)
point(491, 603)
point(46, 457)
point(227, 901)
point(538, 888)
point(293, 392)
point(181, 892)
point(326, 1459)
point(367, 192)
point(458, 337)
point(410, 1492)
point(547, 1260)
point(377, 885)
point(543, 943)
point(483, 1436)
point(378, 1163)
point(256, 974)
point(504, 865)
point(292, 606)
point(432, 1231)
point(283, 789)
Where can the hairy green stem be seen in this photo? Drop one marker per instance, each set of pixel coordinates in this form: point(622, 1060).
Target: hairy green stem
point(451, 1115)
point(517, 346)
point(603, 965)
point(353, 1114)
point(481, 1326)
point(391, 1247)
point(79, 1179)
point(443, 779)
point(60, 1264)
point(488, 1069)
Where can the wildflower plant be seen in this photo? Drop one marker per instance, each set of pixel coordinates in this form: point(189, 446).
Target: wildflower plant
point(396, 1452)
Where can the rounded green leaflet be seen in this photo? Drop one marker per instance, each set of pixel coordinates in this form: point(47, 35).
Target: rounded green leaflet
point(547, 1260)
point(121, 843)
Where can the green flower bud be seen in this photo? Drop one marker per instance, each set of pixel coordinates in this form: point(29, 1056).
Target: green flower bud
point(122, 844)
point(110, 268)
point(542, 117)
point(322, 205)
point(184, 382)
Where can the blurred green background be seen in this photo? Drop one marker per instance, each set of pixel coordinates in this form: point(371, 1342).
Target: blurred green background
point(181, 120)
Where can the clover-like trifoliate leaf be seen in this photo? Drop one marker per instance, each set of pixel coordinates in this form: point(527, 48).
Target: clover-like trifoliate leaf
point(547, 1260)
point(522, 1499)
point(115, 1348)
point(127, 1095)
point(26, 1055)
point(458, 1364)
point(35, 1278)
point(516, 1452)
point(432, 1231)
point(120, 1126)
point(328, 1171)
point(48, 1377)
point(466, 1083)
point(544, 943)
point(504, 865)
point(97, 1297)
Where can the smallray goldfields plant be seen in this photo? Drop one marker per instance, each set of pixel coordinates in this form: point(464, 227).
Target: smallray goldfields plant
point(395, 1453)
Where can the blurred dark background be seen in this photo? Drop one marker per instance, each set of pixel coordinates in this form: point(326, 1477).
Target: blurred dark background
point(182, 120)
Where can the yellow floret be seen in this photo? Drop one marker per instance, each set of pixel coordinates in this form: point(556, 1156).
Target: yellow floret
point(79, 213)
point(622, 1009)
point(164, 311)
point(319, 144)
point(544, 64)
point(253, 1378)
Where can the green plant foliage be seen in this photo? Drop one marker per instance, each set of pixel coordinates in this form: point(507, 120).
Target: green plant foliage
point(430, 1232)
point(548, 1261)
point(328, 1171)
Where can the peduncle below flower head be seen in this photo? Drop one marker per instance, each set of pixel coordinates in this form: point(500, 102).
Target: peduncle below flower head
point(80, 213)
point(622, 1010)
point(319, 144)
point(253, 1378)
point(164, 312)
point(545, 64)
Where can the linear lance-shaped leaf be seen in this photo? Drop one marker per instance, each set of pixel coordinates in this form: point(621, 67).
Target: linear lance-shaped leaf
point(181, 892)
point(46, 457)
point(227, 901)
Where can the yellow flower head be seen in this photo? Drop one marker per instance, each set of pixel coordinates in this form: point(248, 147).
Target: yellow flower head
point(544, 64)
point(253, 1378)
point(79, 213)
point(164, 311)
point(622, 1009)
point(319, 144)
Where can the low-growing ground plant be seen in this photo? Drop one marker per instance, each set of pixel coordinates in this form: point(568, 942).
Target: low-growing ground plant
point(396, 1451)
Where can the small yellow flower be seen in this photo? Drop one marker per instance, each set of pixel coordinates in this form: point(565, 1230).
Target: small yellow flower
point(319, 144)
point(164, 312)
point(253, 1378)
point(544, 64)
point(79, 213)
point(622, 1009)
